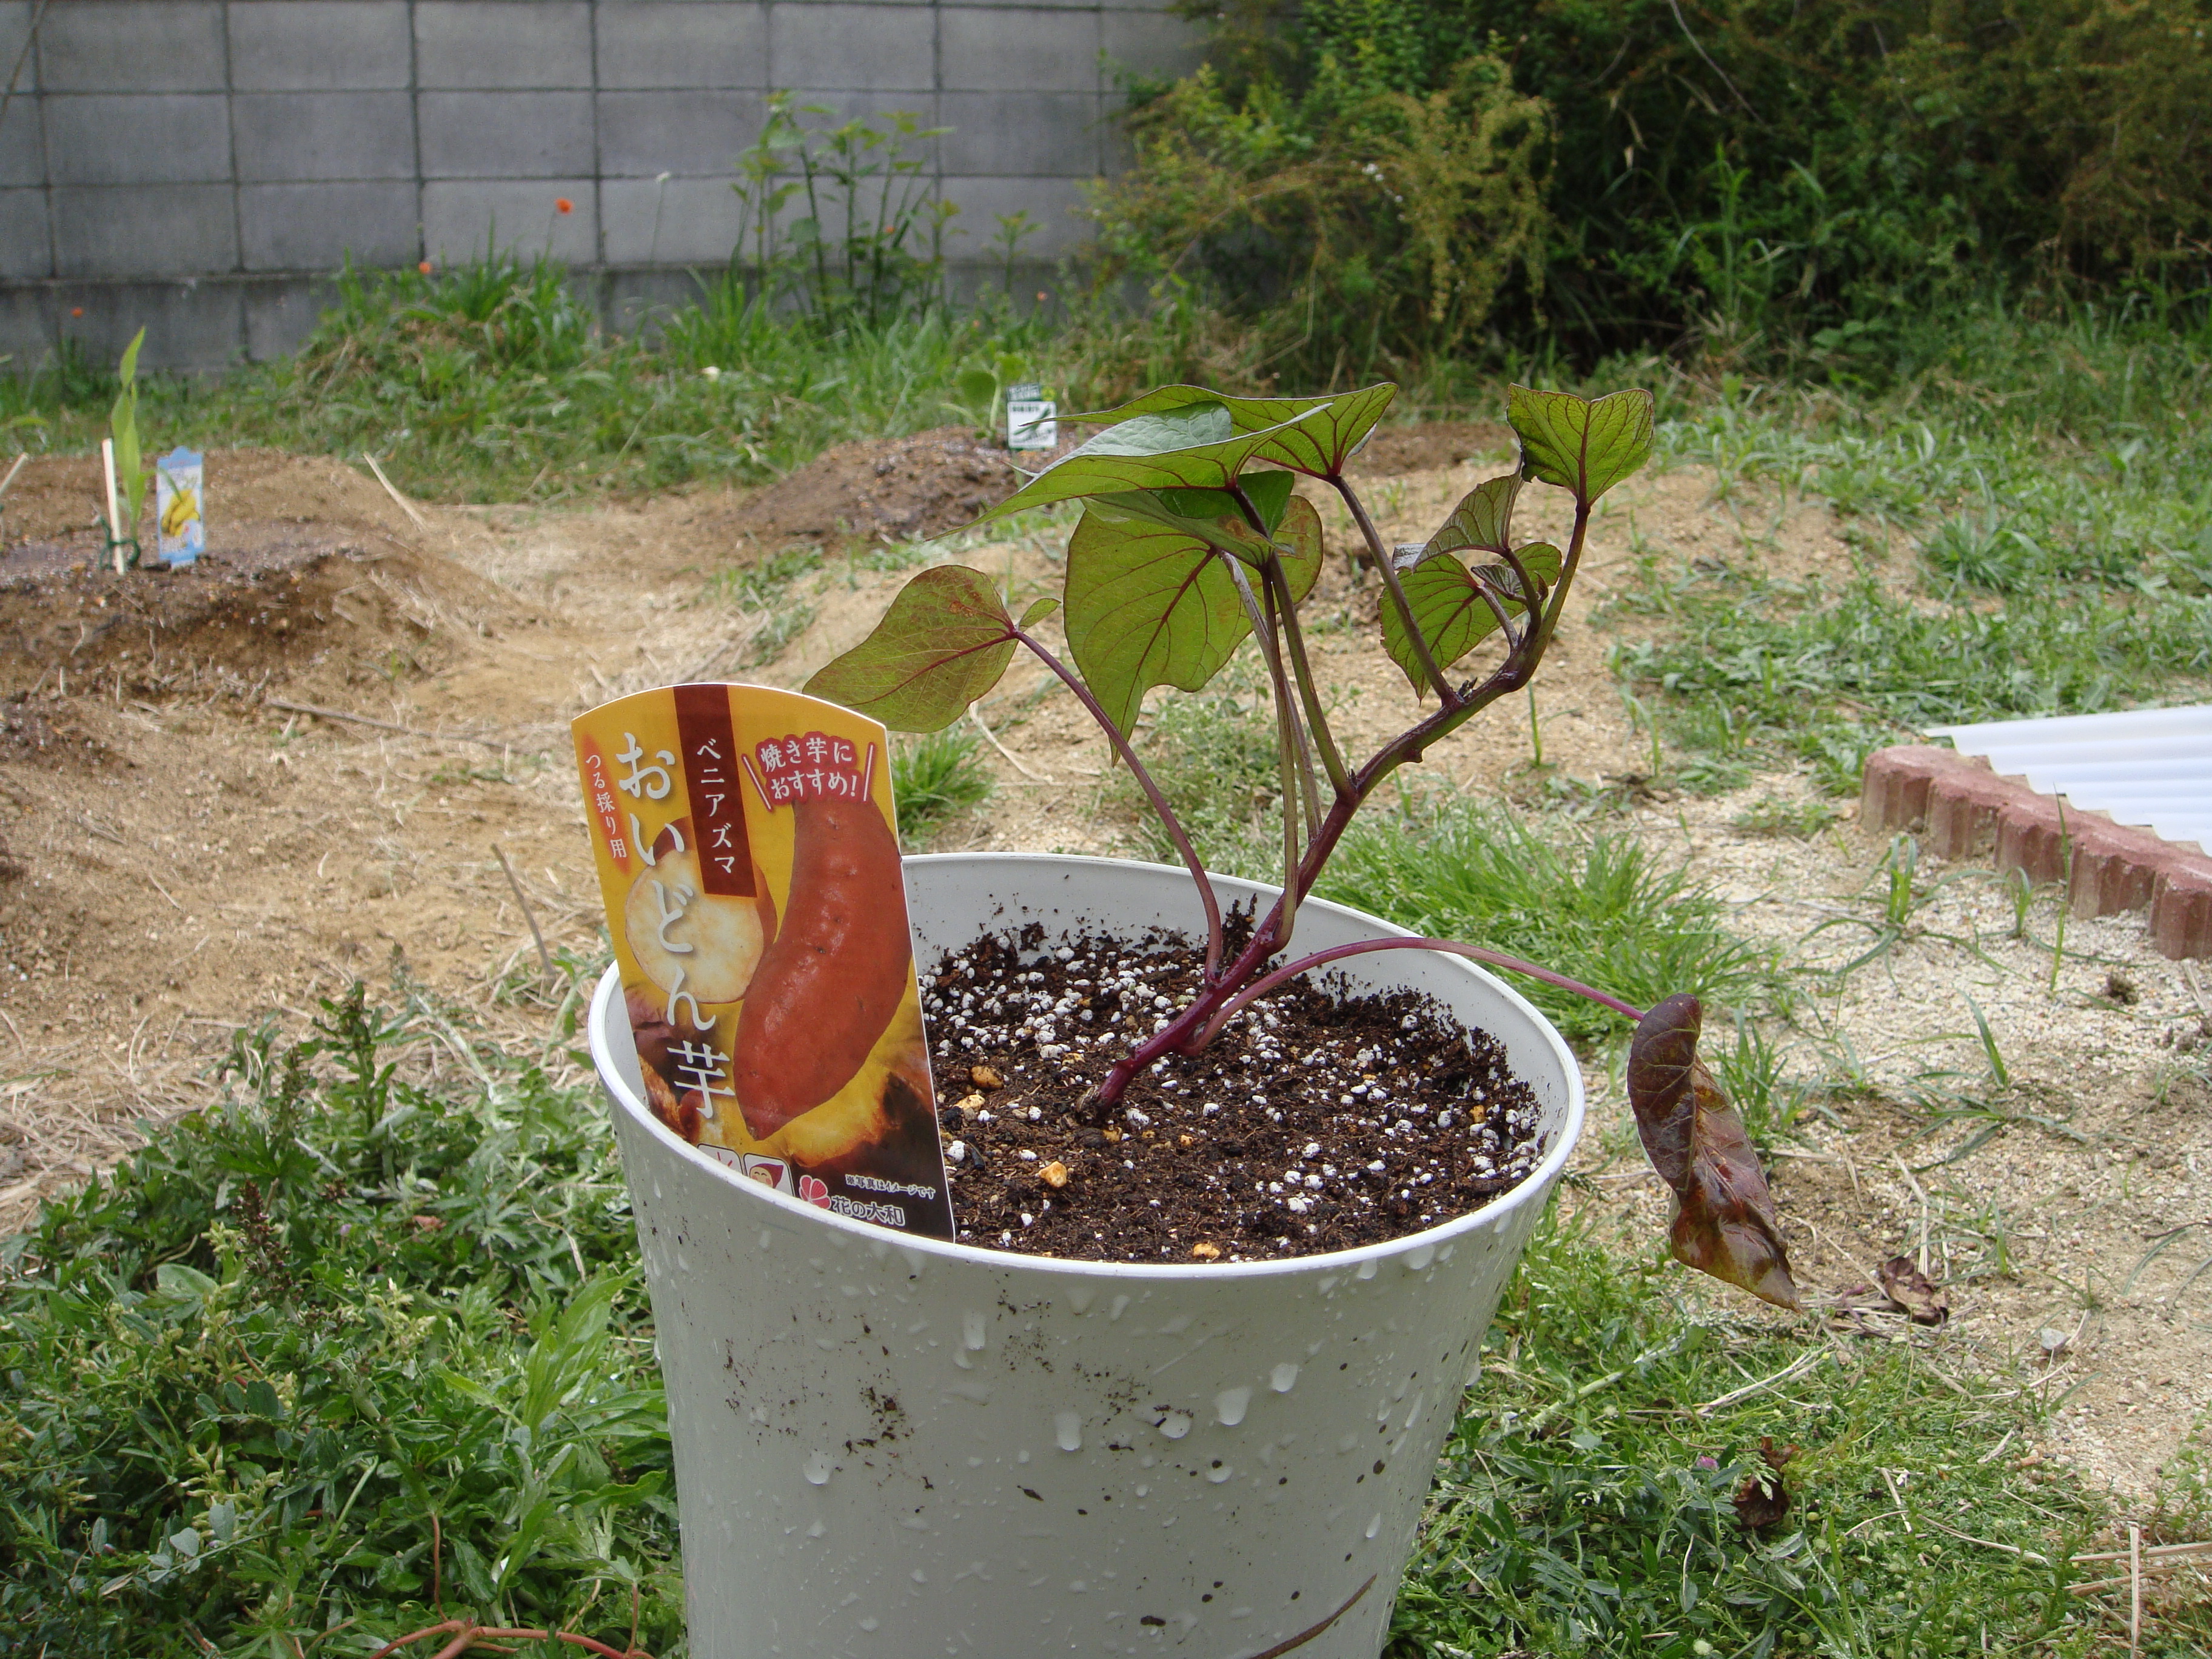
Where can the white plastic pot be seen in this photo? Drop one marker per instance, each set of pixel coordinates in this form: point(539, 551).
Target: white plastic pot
point(904, 1448)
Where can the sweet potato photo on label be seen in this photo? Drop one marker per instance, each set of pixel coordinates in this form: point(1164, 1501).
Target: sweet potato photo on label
point(829, 983)
point(687, 939)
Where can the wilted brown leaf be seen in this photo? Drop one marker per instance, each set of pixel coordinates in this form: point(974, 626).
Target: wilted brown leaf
point(1724, 1221)
point(1909, 1288)
point(1761, 1501)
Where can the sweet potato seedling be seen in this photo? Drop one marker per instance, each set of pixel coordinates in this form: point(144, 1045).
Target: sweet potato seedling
point(1191, 542)
point(130, 479)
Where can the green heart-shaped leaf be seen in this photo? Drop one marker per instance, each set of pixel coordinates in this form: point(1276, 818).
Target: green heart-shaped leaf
point(1483, 520)
point(1578, 445)
point(977, 387)
point(1193, 448)
point(1446, 599)
point(1148, 604)
point(1212, 516)
point(1269, 492)
point(1316, 446)
point(945, 641)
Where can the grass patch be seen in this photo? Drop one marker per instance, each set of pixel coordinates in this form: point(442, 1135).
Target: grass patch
point(935, 778)
point(1586, 1505)
point(1775, 815)
point(493, 381)
point(1755, 669)
point(247, 1371)
point(1213, 753)
point(2048, 487)
point(333, 1349)
point(764, 596)
point(1593, 904)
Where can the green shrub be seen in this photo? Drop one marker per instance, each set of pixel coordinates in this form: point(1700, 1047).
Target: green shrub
point(1391, 230)
point(1765, 175)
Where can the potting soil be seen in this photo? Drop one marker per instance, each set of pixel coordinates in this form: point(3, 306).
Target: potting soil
point(1311, 1123)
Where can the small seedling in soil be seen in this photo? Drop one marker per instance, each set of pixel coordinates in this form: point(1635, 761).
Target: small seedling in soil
point(1191, 542)
point(130, 473)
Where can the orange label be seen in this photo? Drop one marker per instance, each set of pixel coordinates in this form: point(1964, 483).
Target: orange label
point(748, 861)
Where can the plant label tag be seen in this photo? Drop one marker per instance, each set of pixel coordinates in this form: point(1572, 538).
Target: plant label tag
point(748, 862)
point(179, 489)
point(1032, 419)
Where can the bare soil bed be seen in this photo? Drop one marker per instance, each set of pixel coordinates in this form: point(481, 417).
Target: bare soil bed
point(185, 850)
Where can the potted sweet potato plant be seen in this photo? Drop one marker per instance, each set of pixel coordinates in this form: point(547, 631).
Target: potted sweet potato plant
point(1239, 1175)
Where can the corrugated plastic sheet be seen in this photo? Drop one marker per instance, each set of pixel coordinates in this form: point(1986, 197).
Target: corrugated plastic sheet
point(2149, 767)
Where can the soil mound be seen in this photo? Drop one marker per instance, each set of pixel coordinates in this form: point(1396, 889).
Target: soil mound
point(60, 609)
point(297, 546)
point(903, 491)
point(1427, 446)
point(906, 489)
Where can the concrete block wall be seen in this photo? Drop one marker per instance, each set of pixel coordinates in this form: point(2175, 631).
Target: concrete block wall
point(201, 167)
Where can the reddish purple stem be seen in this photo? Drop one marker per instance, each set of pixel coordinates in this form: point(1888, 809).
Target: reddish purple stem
point(1168, 819)
point(1253, 992)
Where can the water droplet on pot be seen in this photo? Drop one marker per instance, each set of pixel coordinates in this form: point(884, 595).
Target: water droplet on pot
point(818, 1528)
point(1365, 1270)
point(683, 1262)
point(920, 1576)
point(971, 1329)
point(1217, 1475)
point(1284, 1378)
point(1229, 1405)
point(1068, 1428)
point(767, 1237)
point(1080, 1300)
point(870, 1624)
point(1420, 1257)
point(1176, 1424)
point(818, 1469)
point(1121, 1306)
point(1375, 1525)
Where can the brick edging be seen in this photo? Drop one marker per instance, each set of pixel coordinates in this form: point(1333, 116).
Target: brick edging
point(1967, 811)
